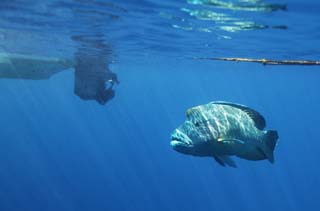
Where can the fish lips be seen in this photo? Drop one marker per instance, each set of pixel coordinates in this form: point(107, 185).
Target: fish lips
point(180, 141)
point(177, 143)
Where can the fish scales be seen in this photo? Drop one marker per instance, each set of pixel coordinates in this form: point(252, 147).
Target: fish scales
point(223, 129)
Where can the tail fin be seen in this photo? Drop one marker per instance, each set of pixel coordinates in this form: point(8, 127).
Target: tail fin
point(269, 142)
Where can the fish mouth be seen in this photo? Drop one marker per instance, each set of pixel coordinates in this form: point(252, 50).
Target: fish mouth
point(179, 139)
point(178, 143)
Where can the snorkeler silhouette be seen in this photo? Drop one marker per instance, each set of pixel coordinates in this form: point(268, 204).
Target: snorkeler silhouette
point(93, 78)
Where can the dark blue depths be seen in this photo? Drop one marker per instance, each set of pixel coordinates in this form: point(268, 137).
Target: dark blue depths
point(61, 153)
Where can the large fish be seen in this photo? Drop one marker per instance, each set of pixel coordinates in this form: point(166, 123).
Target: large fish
point(223, 129)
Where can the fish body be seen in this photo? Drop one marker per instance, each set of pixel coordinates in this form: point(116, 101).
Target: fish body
point(222, 129)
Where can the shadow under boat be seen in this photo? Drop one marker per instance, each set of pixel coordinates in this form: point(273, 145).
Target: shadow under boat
point(22, 66)
point(93, 78)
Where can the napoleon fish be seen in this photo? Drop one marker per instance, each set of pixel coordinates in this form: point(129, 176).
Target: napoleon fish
point(223, 129)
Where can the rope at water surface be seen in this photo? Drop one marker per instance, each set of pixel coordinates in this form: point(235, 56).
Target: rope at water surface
point(263, 61)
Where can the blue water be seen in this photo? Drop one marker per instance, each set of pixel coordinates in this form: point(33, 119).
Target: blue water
point(59, 151)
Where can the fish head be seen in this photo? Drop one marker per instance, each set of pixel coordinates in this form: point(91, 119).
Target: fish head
point(194, 136)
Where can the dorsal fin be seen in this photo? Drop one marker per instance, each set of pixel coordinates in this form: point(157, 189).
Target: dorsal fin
point(257, 118)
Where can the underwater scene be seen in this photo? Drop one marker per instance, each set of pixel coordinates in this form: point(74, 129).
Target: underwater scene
point(152, 105)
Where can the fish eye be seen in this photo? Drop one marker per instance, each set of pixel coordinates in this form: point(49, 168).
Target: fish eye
point(196, 124)
point(188, 113)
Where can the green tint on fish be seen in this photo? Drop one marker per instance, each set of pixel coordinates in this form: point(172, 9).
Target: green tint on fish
point(223, 129)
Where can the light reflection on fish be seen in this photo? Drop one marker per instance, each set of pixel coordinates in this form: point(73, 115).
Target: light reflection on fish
point(223, 129)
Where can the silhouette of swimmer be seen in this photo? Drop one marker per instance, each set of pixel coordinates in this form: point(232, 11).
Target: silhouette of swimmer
point(93, 78)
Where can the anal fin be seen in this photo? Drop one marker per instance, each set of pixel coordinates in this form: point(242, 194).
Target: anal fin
point(225, 160)
point(218, 159)
point(229, 161)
